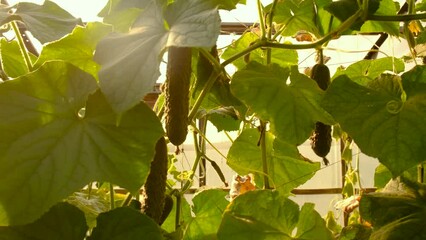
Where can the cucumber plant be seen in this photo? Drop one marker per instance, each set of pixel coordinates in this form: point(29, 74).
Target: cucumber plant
point(74, 127)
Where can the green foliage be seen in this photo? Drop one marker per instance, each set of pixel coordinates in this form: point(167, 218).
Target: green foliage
point(47, 22)
point(287, 168)
point(76, 48)
point(250, 216)
point(397, 212)
point(282, 57)
point(383, 116)
point(125, 223)
point(364, 71)
point(46, 140)
point(292, 109)
point(61, 131)
point(295, 15)
point(129, 73)
point(208, 208)
point(62, 221)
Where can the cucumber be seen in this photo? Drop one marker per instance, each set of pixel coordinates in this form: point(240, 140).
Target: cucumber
point(155, 186)
point(176, 90)
point(321, 136)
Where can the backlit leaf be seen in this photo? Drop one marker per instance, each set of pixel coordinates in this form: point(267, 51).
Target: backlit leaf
point(47, 22)
point(265, 214)
point(53, 143)
point(364, 71)
point(130, 62)
point(379, 120)
point(12, 60)
point(208, 209)
point(77, 48)
point(282, 57)
point(291, 108)
point(286, 167)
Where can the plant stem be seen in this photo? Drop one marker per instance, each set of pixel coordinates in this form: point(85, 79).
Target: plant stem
point(264, 157)
point(198, 155)
point(265, 43)
point(22, 47)
point(397, 18)
point(261, 19)
point(203, 93)
point(111, 196)
point(208, 141)
point(178, 206)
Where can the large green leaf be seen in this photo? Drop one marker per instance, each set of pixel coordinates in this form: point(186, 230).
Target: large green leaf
point(77, 48)
point(62, 221)
point(286, 167)
point(295, 15)
point(282, 57)
point(379, 120)
point(382, 175)
point(125, 223)
point(208, 208)
point(364, 71)
point(265, 214)
point(130, 61)
point(397, 212)
point(121, 14)
point(12, 60)
point(291, 108)
point(386, 7)
point(47, 22)
point(53, 142)
point(228, 4)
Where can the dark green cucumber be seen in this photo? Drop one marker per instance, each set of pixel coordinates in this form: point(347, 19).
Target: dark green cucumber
point(155, 186)
point(321, 137)
point(177, 93)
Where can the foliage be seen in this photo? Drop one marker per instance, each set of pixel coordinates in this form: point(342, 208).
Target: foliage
point(72, 120)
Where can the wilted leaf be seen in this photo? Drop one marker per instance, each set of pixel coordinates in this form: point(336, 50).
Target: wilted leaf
point(292, 109)
point(53, 142)
point(62, 221)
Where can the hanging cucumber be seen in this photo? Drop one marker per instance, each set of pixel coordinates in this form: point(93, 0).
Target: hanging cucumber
point(155, 186)
point(177, 93)
point(321, 136)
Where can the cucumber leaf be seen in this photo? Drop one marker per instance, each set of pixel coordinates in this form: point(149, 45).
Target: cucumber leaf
point(208, 209)
point(397, 212)
point(59, 134)
point(384, 121)
point(241, 220)
point(291, 108)
point(286, 167)
point(130, 62)
point(125, 223)
point(62, 221)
